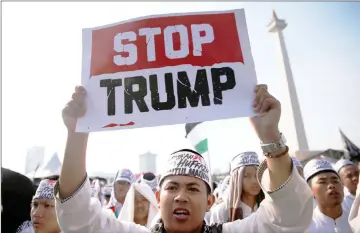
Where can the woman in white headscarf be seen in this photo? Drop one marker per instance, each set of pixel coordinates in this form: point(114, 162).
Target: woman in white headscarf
point(244, 192)
point(140, 205)
point(122, 183)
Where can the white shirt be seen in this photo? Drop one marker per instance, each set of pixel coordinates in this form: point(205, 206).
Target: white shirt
point(207, 217)
point(314, 203)
point(79, 214)
point(354, 216)
point(348, 200)
point(247, 210)
point(220, 213)
point(322, 223)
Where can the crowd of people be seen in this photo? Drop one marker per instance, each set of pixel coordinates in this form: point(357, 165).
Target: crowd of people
point(278, 194)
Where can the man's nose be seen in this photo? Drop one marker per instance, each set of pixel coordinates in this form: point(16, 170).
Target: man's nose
point(39, 212)
point(355, 178)
point(331, 186)
point(181, 196)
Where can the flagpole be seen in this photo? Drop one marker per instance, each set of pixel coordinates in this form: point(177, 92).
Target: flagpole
point(210, 171)
point(189, 127)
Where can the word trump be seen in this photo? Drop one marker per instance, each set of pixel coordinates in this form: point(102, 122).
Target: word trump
point(183, 92)
point(128, 52)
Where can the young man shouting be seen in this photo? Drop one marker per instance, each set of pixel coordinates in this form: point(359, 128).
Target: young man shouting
point(184, 195)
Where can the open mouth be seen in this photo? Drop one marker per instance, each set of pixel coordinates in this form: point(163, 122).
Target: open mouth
point(334, 194)
point(181, 214)
point(36, 224)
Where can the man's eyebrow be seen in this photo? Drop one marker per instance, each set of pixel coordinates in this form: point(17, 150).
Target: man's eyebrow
point(192, 184)
point(351, 172)
point(173, 183)
point(322, 179)
point(187, 184)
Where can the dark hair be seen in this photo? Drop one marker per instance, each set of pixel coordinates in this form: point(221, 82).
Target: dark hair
point(238, 213)
point(208, 189)
point(52, 177)
point(260, 197)
point(188, 150)
point(17, 191)
point(214, 185)
point(149, 176)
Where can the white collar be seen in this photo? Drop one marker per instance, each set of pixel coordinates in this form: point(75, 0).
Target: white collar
point(347, 193)
point(326, 218)
point(247, 208)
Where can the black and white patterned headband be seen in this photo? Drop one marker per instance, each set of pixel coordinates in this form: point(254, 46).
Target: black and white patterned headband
point(45, 190)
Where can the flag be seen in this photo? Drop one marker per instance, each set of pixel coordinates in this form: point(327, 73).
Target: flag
point(353, 150)
point(196, 134)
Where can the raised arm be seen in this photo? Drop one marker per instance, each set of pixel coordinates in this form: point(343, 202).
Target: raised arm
point(354, 216)
point(73, 171)
point(75, 209)
point(287, 206)
point(266, 125)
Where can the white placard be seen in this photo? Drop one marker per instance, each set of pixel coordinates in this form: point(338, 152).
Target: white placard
point(167, 69)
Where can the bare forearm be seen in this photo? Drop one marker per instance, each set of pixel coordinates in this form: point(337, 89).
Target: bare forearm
point(279, 168)
point(73, 169)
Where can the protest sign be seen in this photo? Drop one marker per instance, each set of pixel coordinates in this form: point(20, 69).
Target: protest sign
point(167, 69)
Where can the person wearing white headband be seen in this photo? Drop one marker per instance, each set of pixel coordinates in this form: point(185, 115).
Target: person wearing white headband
point(140, 205)
point(43, 214)
point(329, 215)
point(244, 195)
point(298, 166)
point(149, 179)
point(349, 174)
point(123, 180)
point(184, 194)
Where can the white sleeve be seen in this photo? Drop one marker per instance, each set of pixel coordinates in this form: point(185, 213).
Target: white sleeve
point(82, 214)
point(219, 214)
point(354, 216)
point(287, 210)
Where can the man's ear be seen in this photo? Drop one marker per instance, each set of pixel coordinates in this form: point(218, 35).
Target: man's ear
point(210, 201)
point(157, 195)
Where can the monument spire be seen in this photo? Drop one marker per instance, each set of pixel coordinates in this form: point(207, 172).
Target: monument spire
point(293, 125)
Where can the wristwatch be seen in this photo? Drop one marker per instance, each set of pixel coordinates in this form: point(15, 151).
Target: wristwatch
point(274, 146)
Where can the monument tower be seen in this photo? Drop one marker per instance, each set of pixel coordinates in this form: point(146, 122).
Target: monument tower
point(291, 123)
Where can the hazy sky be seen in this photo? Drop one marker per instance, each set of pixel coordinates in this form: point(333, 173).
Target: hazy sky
point(42, 64)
